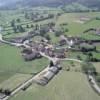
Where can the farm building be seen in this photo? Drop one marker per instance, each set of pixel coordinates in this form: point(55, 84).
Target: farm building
point(54, 70)
point(49, 75)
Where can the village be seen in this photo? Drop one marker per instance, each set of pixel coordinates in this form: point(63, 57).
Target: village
point(48, 53)
point(31, 50)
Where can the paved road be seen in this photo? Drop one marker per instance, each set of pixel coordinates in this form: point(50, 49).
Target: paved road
point(94, 84)
point(69, 59)
point(13, 44)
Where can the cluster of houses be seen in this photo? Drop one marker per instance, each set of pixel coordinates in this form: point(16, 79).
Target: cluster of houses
point(71, 41)
point(34, 51)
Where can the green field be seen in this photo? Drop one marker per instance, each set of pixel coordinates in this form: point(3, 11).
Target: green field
point(14, 81)
point(12, 61)
point(65, 86)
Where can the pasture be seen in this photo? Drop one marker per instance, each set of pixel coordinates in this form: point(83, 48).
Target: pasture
point(66, 85)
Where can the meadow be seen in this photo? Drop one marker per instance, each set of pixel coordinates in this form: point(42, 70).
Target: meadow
point(66, 85)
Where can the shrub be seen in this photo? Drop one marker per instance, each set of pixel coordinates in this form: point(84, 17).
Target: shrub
point(86, 67)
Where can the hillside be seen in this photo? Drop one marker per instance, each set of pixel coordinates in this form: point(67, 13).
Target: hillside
point(53, 3)
point(89, 3)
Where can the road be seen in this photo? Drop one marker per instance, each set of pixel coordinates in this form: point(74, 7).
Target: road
point(69, 59)
point(13, 44)
point(59, 59)
point(93, 83)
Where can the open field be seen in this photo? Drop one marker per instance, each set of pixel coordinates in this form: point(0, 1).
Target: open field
point(12, 61)
point(76, 29)
point(97, 65)
point(4, 76)
point(66, 85)
point(14, 81)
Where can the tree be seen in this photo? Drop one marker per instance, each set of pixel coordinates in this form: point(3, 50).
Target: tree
point(66, 30)
point(7, 92)
point(88, 67)
point(26, 16)
point(50, 15)
point(15, 29)
point(18, 20)
point(32, 25)
point(52, 24)
point(90, 55)
point(36, 27)
point(58, 33)
point(21, 29)
point(1, 90)
point(51, 64)
point(13, 23)
point(27, 26)
point(79, 57)
point(47, 36)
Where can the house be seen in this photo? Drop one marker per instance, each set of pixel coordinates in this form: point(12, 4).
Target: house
point(29, 57)
point(60, 53)
point(30, 54)
point(26, 51)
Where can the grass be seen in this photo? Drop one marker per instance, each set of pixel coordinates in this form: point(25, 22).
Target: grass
point(4, 76)
point(14, 70)
point(12, 61)
point(76, 29)
point(97, 65)
point(65, 86)
point(14, 81)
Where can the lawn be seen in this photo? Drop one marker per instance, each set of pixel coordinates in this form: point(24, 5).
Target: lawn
point(65, 86)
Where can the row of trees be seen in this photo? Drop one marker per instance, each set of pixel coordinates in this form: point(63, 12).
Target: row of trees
point(6, 92)
point(89, 67)
point(38, 17)
point(17, 28)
